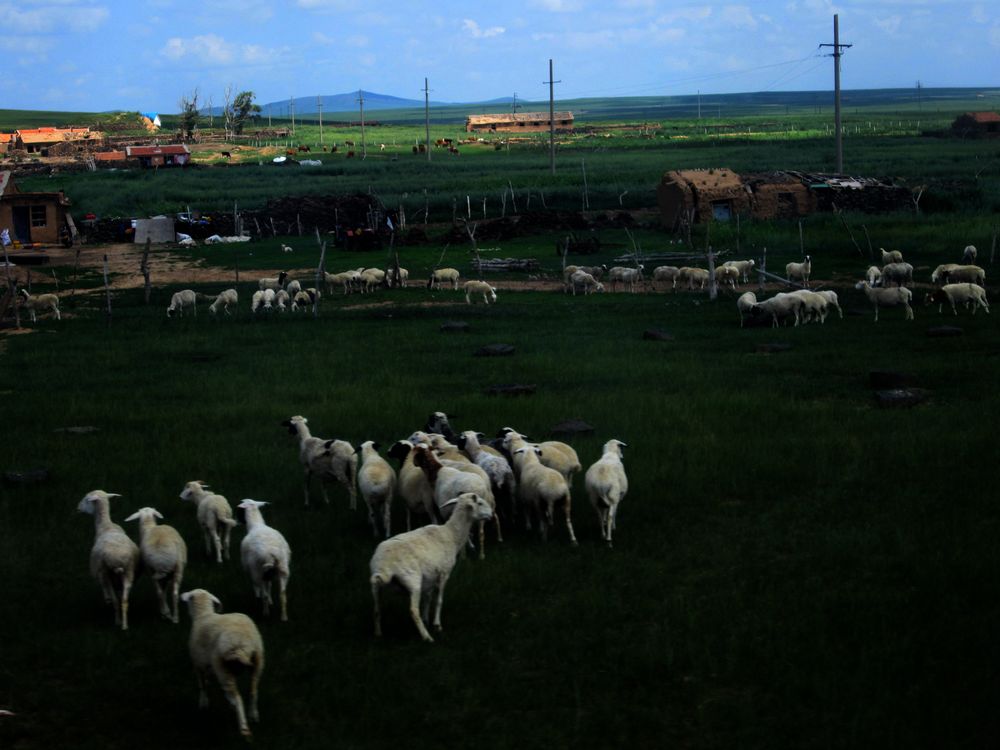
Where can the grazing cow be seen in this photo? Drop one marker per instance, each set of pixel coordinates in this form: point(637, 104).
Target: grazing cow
point(324, 149)
point(416, 150)
point(289, 152)
point(350, 154)
point(333, 148)
point(349, 143)
point(227, 155)
point(304, 149)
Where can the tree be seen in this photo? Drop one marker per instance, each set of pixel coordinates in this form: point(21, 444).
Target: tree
point(189, 114)
point(239, 109)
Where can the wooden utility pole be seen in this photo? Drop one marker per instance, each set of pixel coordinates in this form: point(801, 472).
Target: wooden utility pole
point(319, 107)
point(144, 267)
point(291, 112)
point(427, 118)
point(552, 119)
point(836, 89)
point(361, 104)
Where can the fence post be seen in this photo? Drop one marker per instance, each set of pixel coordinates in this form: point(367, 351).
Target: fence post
point(107, 288)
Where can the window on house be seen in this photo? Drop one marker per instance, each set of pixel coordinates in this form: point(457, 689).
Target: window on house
point(722, 210)
point(38, 216)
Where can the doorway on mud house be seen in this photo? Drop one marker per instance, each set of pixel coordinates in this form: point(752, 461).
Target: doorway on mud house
point(22, 223)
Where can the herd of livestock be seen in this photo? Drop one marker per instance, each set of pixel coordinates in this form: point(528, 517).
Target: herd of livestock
point(454, 484)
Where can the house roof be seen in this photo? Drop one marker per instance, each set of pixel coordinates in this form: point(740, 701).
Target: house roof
point(173, 148)
point(983, 117)
point(6, 137)
point(514, 117)
point(53, 135)
point(703, 179)
point(109, 156)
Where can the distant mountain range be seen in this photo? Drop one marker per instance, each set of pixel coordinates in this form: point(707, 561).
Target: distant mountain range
point(307, 106)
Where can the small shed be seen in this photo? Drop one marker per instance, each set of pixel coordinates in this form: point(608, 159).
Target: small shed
point(977, 125)
point(779, 195)
point(175, 154)
point(33, 217)
point(6, 141)
point(701, 194)
point(518, 122)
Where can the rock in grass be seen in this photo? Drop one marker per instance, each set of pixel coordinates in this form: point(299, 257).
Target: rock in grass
point(572, 427)
point(455, 326)
point(655, 334)
point(883, 380)
point(494, 350)
point(25, 476)
point(511, 389)
point(938, 332)
point(901, 398)
point(773, 348)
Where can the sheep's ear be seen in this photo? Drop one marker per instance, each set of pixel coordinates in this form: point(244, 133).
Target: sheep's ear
point(480, 436)
point(453, 501)
point(133, 517)
point(112, 494)
point(186, 596)
point(328, 443)
point(376, 446)
point(215, 601)
point(623, 445)
point(158, 514)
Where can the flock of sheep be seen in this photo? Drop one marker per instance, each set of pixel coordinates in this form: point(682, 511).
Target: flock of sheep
point(454, 483)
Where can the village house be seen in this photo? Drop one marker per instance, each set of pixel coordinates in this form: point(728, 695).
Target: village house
point(33, 217)
point(977, 125)
point(176, 154)
point(519, 122)
point(56, 141)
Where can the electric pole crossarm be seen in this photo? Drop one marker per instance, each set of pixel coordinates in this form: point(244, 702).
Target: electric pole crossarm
point(552, 118)
point(836, 55)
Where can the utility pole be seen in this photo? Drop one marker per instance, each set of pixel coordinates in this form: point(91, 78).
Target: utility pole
point(291, 112)
point(268, 116)
point(427, 118)
point(513, 104)
point(319, 107)
point(552, 119)
point(361, 104)
point(699, 104)
point(836, 89)
point(211, 115)
point(920, 100)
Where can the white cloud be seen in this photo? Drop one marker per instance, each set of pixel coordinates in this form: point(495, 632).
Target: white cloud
point(739, 16)
point(357, 40)
point(51, 17)
point(320, 38)
point(685, 14)
point(978, 14)
point(212, 49)
point(890, 24)
point(474, 30)
point(558, 6)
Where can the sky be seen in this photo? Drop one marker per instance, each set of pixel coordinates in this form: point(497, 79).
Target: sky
point(99, 55)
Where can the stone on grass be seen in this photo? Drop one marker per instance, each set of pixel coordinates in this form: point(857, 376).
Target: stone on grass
point(511, 389)
point(572, 427)
point(773, 348)
point(655, 334)
point(901, 398)
point(455, 326)
point(938, 332)
point(494, 350)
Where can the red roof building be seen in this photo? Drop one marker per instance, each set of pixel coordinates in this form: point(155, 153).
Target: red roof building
point(174, 154)
point(977, 124)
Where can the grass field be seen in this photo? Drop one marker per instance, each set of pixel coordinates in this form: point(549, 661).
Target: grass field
point(793, 567)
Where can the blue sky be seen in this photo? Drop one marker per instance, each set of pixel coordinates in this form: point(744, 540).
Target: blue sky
point(95, 55)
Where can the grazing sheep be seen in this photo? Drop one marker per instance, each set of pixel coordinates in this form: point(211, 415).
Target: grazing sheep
point(265, 556)
point(412, 483)
point(371, 278)
point(745, 305)
point(479, 287)
point(392, 280)
point(666, 274)
point(293, 287)
point(443, 276)
point(304, 299)
point(501, 475)
point(540, 489)
point(814, 307)
point(286, 248)
point(630, 277)
point(887, 297)
point(225, 299)
point(273, 283)
point(377, 481)
point(606, 486)
point(215, 516)
point(556, 454)
point(256, 301)
point(584, 281)
point(281, 300)
point(899, 274)
point(781, 306)
point(743, 266)
point(182, 300)
point(799, 271)
point(345, 279)
point(727, 275)
point(969, 254)
point(967, 275)
point(421, 561)
point(692, 276)
point(327, 459)
point(873, 275)
point(894, 256)
point(114, 557)
point(36, 303)
point(164, 555)
point(596, 271)
point(224, 646)
point(940, 274)
point(832, 301)
point(970, 295)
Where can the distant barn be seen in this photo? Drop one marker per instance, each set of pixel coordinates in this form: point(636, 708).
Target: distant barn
point(176, 154)
point(977, 125)
point(519, 122)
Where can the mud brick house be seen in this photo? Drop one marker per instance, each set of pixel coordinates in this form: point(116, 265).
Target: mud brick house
point(33, 217)
point(977, 125)
point(56, 141)
point(518, 122)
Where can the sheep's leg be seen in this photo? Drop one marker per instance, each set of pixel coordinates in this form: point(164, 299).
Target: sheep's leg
point(387, 518)
point(126, 587)
point(377, 615)
point(440, 600)
point(909, 313)
point(322, 488)
point(258, 667)
point(176, 586)
point(226, 531)
point(162, 598)
point(208, 540)
point(283, 585)
point(232, 693)
point(426, 603)
point(569, 523)
point(218, 545)
point(496, 520)
point(482, 540)
point(107, 589)
point(415, 613)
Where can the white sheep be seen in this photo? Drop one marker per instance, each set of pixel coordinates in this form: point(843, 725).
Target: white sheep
point(799, 271)
point(745, 304)
point(450, 479)
point(273, 283)
point(479, 287)
point(630, 277)
point(377, 482)
point(969, 254)
point(540, 489)
point(281, 299)
point(814, 307)
point(215, 516)
point(265, 556)
point(887, 297)
point(963, 294)
point(743, 266)
point(832, 300)
point(412, 484)
point(371, 278)
point(256, 301)
point(224, 299)
point(421, 561)
point(666, 274)
point(264, 298)
point(501, 475)
point(727, 275)
point(584, 281)
point(940, 274)
point(293, 287)
point(181, 301)
point(967, 275)
point(895, 256)
point(442, 276)
point(692, 276)
point(391, 278)
point(114, 558)
point(873, 275)
point(286, 248)
point(328, 459)
point(164, 557)
point(556, 454)
point(607, 485)
point(615, 276)
point(344, 279)
point(224, 645)
point(36, 303)
point(781, 307)
point(899, 274)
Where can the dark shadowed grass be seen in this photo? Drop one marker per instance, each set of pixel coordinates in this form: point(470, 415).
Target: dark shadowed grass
point(793, 567)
